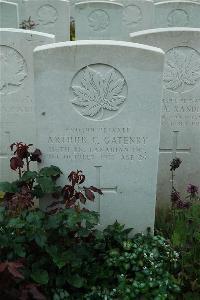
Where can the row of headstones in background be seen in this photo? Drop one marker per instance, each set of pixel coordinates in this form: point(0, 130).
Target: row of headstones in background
point(91, 115)
point(177, 14)
point(17, 116)
point(137, 15)
point(156, 1)
point(48, 16)
point(106, 20)
point(112, 20)
point(180, 130)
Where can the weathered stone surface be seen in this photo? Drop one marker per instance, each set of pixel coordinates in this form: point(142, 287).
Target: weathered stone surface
point(17, 117)
point(94, 114)
point(177, 14)
point(180, 106)
point(98, 20)
point(9, 16)
point(137, 15)
point(50, 16)
point(20, 8)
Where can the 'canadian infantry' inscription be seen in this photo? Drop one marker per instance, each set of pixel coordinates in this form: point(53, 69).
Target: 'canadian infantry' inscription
point(47, 14)
point(132, 15)
point(182, 69)
point(99, 92)
point(178, 18)
point(98, 143)
point(98, 20)
point(13, 70)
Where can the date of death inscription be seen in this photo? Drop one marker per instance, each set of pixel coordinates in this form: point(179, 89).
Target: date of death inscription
point(97, 144)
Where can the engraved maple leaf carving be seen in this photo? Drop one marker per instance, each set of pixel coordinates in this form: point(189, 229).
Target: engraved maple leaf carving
point(182, 69)
point(98, 92)
point(47, 14)
point(13, 70)
point(98, 20)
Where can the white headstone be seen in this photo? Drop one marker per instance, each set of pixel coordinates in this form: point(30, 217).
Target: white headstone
point(17, 117)
point(181, 106)
point(94, 114)
point(157, 1)
point(98, 20)
point(20, 8)
point(137, 15)
point(9, 17)
point(74, 2)
point(50, 16)
point(177, 14)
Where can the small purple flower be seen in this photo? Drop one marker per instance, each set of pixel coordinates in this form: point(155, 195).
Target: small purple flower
point(193, 189)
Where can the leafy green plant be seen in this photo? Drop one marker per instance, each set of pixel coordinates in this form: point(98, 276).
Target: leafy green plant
point(20, 194)
point(76, 259)
point(181, 225)
point(60, 254)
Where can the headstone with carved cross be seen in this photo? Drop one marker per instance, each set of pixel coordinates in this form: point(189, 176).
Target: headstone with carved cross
point(180, 106)
point(17, 116)
point(92, 113)
point(9, 15)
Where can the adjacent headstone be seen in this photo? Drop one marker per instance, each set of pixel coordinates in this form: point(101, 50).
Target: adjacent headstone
point(20, 9)
point(49, 16)
point(180, 106)
point(98, 20)
point(156, 1)
point(137, 15)
point(74, 2)
point(177, 14)
point(9, 17)
point(17, 117)
point(94, 114)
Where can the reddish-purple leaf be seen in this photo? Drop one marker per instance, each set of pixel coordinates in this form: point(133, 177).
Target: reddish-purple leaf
point(22, 150)
point(96, 190)
point(12, 268)
point(36, 156)
point(73, 177)
point(16, 162)
point(68, 192)
point(71, 203)
point(89, 194)
point(81, 178)
point(12, 146)
point(82, 198)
